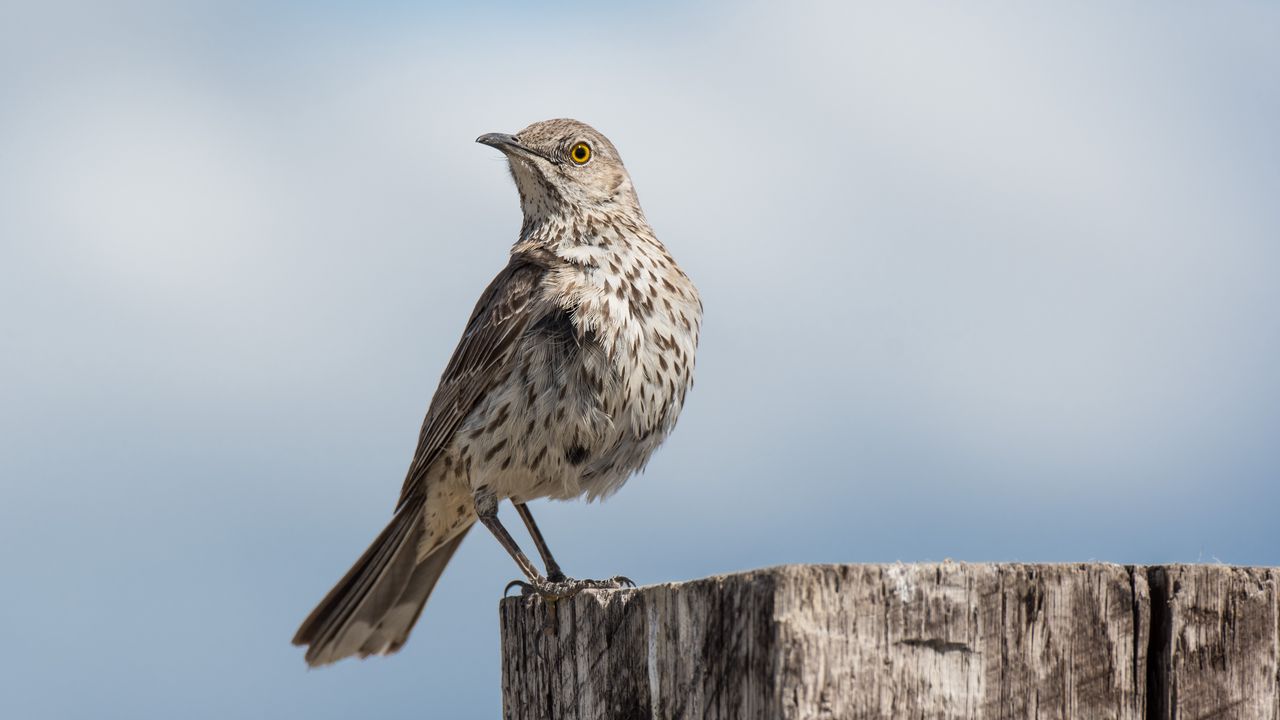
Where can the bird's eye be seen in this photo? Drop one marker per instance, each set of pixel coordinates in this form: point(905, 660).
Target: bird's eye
point(580, 153)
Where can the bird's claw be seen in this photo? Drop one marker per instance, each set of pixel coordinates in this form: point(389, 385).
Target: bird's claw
point(566, 588)
point(525, 588)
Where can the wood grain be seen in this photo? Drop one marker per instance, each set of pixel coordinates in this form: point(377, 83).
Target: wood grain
point(939, 640)
point(1224, 642)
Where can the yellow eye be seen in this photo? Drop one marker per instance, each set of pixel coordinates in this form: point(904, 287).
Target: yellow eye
point(580, 153)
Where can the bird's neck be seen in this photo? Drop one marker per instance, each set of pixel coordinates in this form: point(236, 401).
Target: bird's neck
point(575, 232)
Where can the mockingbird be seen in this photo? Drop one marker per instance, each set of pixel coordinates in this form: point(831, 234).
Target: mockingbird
point(573, 368)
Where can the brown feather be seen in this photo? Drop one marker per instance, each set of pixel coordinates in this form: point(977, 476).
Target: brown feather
point(373, 608)
point(485, 352)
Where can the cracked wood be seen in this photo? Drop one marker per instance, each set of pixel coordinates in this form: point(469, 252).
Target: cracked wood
point(939, 640)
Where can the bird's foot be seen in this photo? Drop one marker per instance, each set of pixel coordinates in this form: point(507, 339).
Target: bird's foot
point(568, 587)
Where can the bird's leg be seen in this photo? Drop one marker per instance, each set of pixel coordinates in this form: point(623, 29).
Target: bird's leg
point(487, 510)
point(554, 574)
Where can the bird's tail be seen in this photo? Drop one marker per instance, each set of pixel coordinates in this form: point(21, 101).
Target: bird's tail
point(373, 608)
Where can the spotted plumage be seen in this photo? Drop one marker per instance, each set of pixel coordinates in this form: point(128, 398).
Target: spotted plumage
point(572, 369)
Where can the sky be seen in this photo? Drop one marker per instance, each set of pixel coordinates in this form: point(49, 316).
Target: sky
point(991, 282)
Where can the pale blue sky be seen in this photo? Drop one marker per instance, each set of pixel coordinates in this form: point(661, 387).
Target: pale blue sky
point(992, 282)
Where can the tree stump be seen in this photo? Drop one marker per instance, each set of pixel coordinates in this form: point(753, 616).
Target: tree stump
point(938, 640)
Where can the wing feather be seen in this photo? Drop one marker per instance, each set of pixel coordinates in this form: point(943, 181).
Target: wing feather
point(511, 303)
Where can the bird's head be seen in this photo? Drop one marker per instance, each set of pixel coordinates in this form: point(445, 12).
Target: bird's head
point(558, 163)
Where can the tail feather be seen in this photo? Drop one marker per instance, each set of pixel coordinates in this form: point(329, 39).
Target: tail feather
point(393, 630)
point(373, 608)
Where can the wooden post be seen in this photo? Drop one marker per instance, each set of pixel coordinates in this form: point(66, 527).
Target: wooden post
point(939, 640)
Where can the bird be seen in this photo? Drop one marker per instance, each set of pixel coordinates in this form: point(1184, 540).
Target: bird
point(572, 369)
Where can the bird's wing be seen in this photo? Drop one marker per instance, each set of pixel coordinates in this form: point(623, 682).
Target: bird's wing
point(483, 357)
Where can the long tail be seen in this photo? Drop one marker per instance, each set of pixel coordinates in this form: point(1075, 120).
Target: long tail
point(373, 608)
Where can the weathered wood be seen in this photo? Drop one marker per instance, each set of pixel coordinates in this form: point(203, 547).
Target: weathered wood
point(1222, 655)
point(941, 640)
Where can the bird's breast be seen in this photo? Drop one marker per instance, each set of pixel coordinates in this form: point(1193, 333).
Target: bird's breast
point(644, 313)
point(598, 382)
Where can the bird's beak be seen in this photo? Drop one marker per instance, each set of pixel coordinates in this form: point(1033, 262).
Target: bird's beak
point(502, 141)
point(509, 144)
